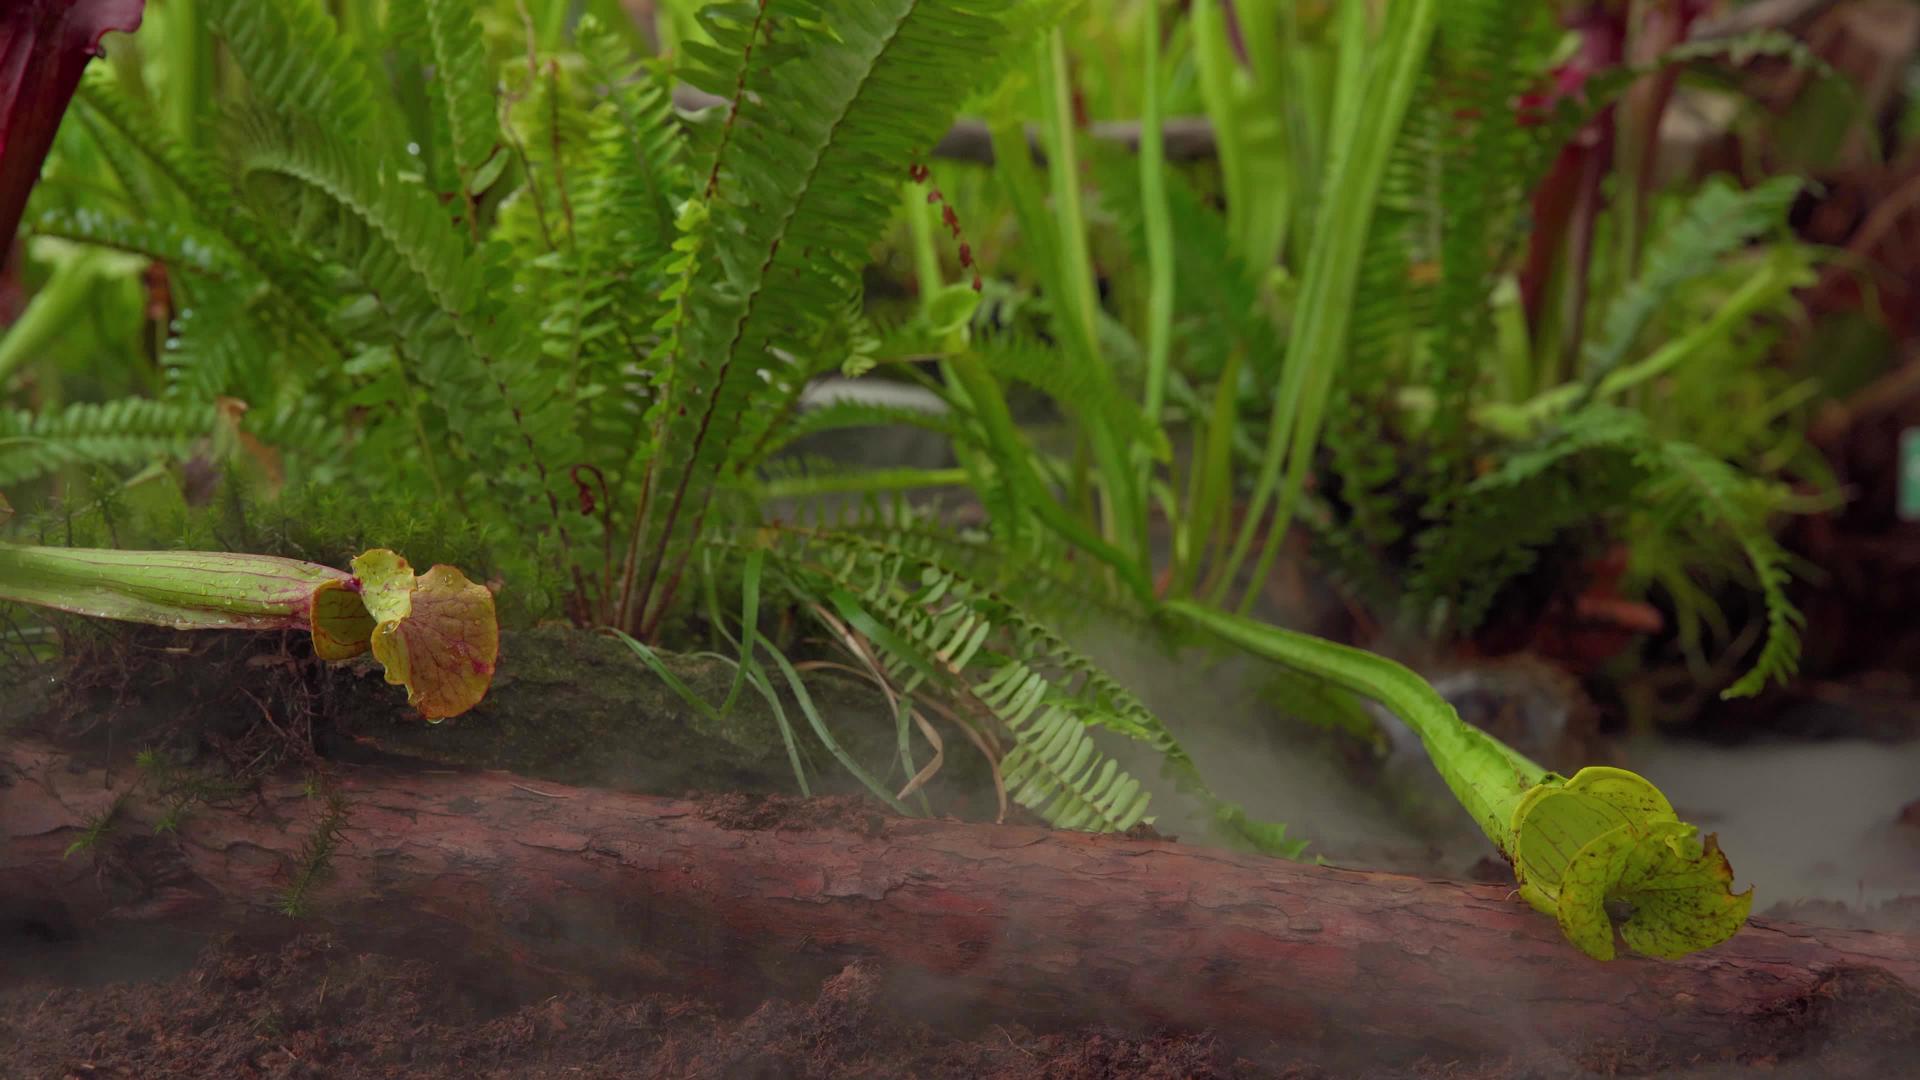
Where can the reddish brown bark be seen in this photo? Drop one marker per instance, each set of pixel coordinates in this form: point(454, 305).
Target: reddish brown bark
point(742, 896)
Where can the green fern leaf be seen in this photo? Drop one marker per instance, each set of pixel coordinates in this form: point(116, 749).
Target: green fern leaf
point(119, 433)
point(1720, 495)
point(463, 85)
point(1594, 461)
point(934, 623)
point(452, 303)
point(296, 60)
point(641, 122)
point(824, 120)
point(180, 245)
point(1488, 54)
point(297, 281)
point(1718, 220)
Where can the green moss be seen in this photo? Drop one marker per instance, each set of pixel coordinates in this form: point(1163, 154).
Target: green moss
point(567, 706)
point(579, 708)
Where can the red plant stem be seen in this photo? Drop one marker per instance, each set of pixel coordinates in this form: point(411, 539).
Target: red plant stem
point(1644, 105)
point(45, 45)
point(1236, 36)
point(1588, 202)
point(1568, 201)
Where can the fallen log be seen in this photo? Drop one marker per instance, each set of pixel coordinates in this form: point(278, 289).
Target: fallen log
point(744, 895)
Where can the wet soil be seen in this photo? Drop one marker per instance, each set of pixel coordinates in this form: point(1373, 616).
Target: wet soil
point(314, 1008)
point(311, 1006)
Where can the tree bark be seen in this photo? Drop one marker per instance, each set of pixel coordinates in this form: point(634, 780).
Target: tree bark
point(739, 896)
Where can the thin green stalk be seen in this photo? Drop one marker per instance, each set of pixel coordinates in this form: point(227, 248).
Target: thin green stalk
point(1353, 33)
point(749, 621)
point(1160, 256)
point(1487, 776)
point(551, 23)
point(1214, 61)
point(1512, 345)
point(1015, 459)
point(710, 595)
point(1013, 167)
point(929, 279)
point(1063, 170)
point(1169, 503)
point(1602, 852)
point(1266, 46)
point(189, 71)
point(926, 259)
point(54, 308)
point(903, 735)
point(1122, 514)
point(1270, 173)
point(1153, 198)
point(665, 674)
point(757, 675)
point(1211, 493)
point(1305, 108)
point(1318, 339)
point(1015, 170)
point(821, 731)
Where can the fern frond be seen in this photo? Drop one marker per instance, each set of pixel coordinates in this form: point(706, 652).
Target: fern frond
point(639, 106)
point(463, 88)
point(623, 173)
point(316, 441)
point(824, 120)
point(932, 623)
point(296, 280)
point(1024, 359)
point(1488, 53)
point(929, 626)
point(214, 347)
point(1595, 460)
point(1719, 495)
point(1716, 221)
point(450, 302)
point(1735, 52)
point(1217, 295)
point(296, 61)
point(132, 431)
point(1571, 479)
point(1015, 356)
point(179, 245)
point(1045, 582)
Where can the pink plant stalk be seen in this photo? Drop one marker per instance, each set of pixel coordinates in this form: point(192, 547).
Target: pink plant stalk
point(44, 47)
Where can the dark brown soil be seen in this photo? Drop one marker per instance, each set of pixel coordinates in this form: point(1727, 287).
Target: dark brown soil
point(312, 1007)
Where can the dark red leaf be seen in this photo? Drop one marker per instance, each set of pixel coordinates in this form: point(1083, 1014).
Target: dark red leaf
point(44, 46)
